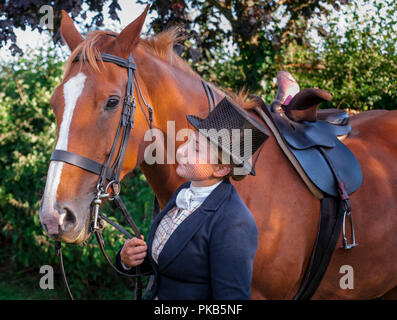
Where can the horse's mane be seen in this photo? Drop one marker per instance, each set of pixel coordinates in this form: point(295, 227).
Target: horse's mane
point(160, 45)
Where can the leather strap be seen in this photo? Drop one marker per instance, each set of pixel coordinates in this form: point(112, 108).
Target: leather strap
point(115, 225)
point(155, 212)
point(113, 59)
point(101, 242)
point(331, 218)
point(210, 95)
point(127, 216)
point(81, 162)
point(58, 250)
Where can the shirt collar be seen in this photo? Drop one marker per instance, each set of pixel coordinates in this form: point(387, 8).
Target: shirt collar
point(192, 197)
point(206, 189)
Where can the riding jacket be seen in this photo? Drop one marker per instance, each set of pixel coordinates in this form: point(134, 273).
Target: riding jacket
point(210, 253)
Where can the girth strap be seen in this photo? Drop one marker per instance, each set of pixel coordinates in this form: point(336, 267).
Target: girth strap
point(331, 218)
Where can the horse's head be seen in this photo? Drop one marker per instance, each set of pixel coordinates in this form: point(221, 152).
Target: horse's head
point(88, 106)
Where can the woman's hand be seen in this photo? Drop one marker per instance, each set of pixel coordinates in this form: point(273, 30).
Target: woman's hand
point(133, 252)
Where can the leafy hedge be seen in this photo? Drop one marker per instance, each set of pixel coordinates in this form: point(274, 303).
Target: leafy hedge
point(356, 64)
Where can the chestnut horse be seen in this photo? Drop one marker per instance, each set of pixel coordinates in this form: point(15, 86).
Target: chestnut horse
point(87, 109)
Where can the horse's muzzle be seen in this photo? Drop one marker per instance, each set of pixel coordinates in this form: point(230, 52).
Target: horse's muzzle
point(59, 221)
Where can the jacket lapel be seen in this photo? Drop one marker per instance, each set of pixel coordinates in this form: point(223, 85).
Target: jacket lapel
point(187, 229)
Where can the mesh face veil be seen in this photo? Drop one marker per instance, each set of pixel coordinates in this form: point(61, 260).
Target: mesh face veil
point(234, 131)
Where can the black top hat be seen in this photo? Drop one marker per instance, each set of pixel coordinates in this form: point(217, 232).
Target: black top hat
point(219, 126)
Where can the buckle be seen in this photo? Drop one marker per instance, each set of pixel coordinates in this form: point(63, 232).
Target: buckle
point(128, 110)
point(131, 64)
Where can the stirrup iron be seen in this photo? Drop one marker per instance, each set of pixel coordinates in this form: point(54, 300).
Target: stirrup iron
point(346, 245)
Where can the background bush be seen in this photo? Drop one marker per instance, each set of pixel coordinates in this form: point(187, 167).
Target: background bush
point(355, 60)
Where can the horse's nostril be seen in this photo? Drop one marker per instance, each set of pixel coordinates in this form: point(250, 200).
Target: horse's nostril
point(69, 220)
point(52, 230)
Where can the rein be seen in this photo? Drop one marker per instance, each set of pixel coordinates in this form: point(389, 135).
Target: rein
point(108, 172)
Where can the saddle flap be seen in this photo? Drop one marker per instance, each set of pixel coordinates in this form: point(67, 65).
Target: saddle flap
point(304, 135)
point(319, 172)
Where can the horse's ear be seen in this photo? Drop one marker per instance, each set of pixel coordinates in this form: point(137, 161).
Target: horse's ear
point(69, 32)
point(127, 38)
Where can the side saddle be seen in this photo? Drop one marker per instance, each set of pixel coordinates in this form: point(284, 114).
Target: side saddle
point(312, 136)
point(309, 138)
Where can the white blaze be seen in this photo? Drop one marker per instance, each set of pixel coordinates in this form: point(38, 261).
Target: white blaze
point(72, 89)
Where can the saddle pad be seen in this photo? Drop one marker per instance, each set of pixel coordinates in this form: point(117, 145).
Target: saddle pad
point(304, 141)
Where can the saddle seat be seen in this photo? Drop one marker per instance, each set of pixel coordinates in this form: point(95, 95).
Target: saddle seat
point(333, 116)
point(312, 137)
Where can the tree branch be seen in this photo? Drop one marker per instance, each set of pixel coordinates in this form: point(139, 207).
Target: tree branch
point(225, 11)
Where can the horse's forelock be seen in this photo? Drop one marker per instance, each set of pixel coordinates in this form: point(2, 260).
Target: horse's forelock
point(88, 50)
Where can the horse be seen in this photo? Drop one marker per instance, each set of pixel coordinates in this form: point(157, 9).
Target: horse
point(87, 108)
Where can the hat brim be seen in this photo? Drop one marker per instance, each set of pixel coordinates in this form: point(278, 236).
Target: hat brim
point(195, 122)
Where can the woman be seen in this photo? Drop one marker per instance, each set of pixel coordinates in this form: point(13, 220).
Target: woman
point(202, 244)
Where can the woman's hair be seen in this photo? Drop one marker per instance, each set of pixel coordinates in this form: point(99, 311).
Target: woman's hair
point(232, 165)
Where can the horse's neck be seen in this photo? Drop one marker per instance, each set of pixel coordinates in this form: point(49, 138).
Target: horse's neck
point(173, 93)
point(285, 211)
point(163, 180)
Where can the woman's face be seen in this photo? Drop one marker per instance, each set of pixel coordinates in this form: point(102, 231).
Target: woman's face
point(197, 159)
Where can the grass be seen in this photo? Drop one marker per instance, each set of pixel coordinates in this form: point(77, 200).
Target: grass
point(24, 285)
point(26, 288)
point(19, 283)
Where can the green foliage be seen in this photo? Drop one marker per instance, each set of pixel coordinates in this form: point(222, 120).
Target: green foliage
point(27, 138)
point(357, 65)
point(257, 30)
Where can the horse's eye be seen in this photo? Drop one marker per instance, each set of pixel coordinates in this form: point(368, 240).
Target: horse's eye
point(112, 103)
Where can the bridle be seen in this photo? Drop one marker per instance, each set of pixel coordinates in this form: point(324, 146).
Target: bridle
point(110, 172)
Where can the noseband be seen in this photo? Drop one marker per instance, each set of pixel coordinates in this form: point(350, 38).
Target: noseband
point(108, 172)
